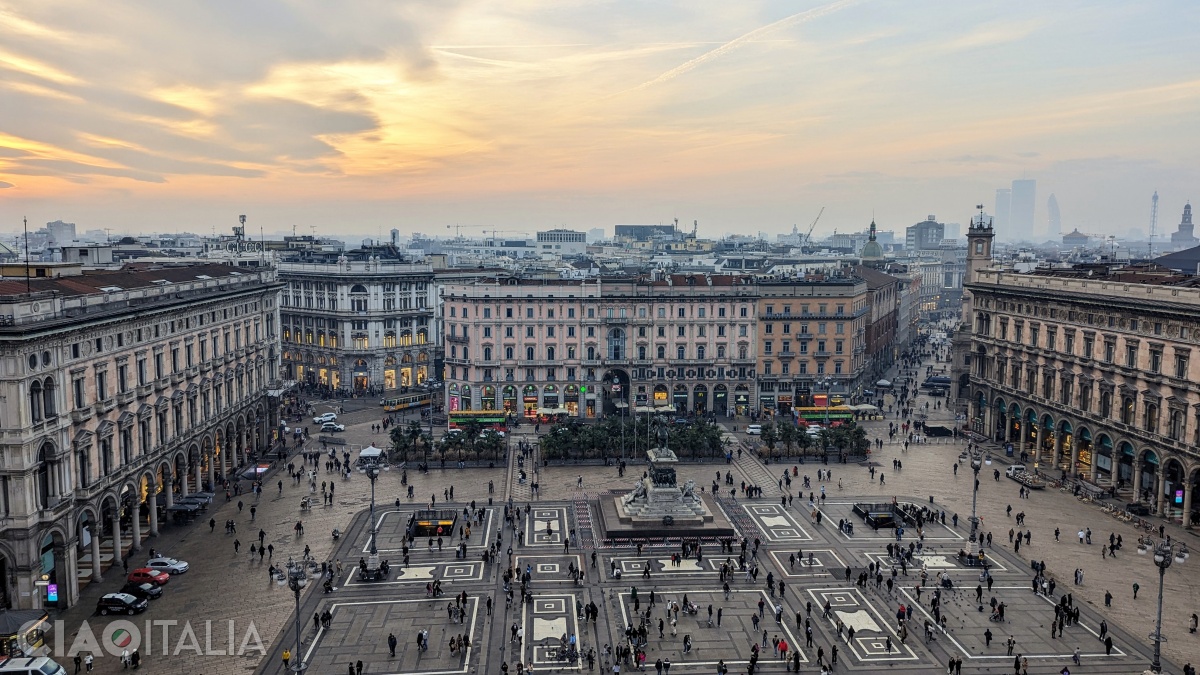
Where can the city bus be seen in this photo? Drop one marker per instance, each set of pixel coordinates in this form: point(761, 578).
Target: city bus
point(837, 414)
point(487, 419)
point(406, 401)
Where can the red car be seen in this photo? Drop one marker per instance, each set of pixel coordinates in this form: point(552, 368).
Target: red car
point(144, 575)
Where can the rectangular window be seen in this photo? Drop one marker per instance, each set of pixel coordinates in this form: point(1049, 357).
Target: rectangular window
point(1181, 366)
point(101, 385)
point(78, 390)
point(1131, 353)
point(1155, 361)
point(768, 347)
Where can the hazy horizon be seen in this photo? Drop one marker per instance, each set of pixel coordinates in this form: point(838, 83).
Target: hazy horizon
point(748, 117)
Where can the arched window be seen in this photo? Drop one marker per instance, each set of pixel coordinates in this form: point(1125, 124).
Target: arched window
point(616, 343)
point(642, 352)
point(591, 354)
point(49, 398)
point(1127, 410)
point(1175, 428)
point(35, 401)
point(550, 353)
point(662, 351)
point(508, 353)
point(529, 353)
point(1151, 418)
point(45, 476)
point(487, 353)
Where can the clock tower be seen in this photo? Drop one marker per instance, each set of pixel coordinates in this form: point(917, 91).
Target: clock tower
point(979, 256)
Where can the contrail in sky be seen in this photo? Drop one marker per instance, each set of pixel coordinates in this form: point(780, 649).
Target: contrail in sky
point(793, 20)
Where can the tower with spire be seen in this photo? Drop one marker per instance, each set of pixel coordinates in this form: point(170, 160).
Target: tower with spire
point(1185, 236)
point(871, 251)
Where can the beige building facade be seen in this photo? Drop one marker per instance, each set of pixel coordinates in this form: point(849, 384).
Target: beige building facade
point(601, 347)
point(123, 391)
point(1092, 374)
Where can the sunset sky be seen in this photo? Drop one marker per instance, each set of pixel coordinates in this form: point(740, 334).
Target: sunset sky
point(350, 118)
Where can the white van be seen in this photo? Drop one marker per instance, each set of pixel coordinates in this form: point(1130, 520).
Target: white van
point(1015, 469)
point(36, 665)
point(754, 429)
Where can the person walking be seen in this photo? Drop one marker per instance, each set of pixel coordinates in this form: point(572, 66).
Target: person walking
point(1011, 643)
point(392, 644)
point(287, 657)
point(1136, 588)
point(987, 637)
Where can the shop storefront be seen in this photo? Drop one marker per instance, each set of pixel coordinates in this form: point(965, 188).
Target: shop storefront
point(466, 398)
point(741, 400)
point(509, 395)
point(766, 403)
point(721, 400)
point(488, 399)
point(453, 398)
point(785, 404)
point(700, 400)
point(571, 399)
point(680, 398)
point(550, 396)
point(529, 401)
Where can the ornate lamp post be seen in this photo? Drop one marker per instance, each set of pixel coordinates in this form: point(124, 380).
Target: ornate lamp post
point(372, 470)
point(977, 462)
point(1163, 555)
point(297, 580)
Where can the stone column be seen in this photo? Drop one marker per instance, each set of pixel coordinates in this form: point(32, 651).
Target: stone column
point(199, 476)
point(212, 471)
point(1037, 445)
point(1057, 449)
point(153, 499)
point(136, 529)
point(1137, 479)
point(1021, 444)
point(1161, 479)
point(1075, 456)
point(169, 487)
point(95, 532)
point(116, 528)
point(1187, 504)
point(1093, 469)
point(183, 484)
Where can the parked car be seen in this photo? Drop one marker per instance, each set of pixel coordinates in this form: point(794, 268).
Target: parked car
point(145, 574)
point(143, 590)
point(121, 603)
point(30, 665)
point(326, 417)
point(168, 565)
point(754, 429)
point(332, 427)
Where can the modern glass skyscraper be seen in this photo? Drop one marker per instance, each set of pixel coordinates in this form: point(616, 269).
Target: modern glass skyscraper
point(1003, 210)
point(1024, 196)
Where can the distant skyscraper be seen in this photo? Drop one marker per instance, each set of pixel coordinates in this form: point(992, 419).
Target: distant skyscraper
point(1003, 210)
point(1053, 217)
point(1024, 197)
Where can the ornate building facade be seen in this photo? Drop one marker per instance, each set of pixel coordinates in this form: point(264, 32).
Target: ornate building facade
point(122, 390)
point(359, 324)
point(1092, 372)
point(811, 339)
point(601, 347)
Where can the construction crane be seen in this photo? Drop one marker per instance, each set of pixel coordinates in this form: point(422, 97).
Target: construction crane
point(807, 241)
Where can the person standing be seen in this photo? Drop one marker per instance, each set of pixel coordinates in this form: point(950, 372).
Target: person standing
point(1135, 589)
point(391, 641)
point(987, 637)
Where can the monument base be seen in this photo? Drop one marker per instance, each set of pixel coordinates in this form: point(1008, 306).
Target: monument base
point(704, 520)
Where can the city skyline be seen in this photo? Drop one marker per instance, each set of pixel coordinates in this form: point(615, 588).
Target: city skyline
point(746, 118)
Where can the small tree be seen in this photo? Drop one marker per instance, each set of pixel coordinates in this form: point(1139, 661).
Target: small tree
point(769, 437)
point(787, 434)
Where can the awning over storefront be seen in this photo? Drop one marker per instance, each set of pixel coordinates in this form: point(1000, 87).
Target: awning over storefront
point(553, 411)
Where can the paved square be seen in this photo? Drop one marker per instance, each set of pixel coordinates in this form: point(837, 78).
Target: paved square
point(359, 630)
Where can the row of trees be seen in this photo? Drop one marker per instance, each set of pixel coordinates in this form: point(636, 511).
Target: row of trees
point(573, 440)
point(472, 443)
point(782, 438)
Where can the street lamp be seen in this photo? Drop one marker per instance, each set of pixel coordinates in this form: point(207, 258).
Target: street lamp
point(297, 580)
point(372, 470)
point(1163, 554)
point(977, 462)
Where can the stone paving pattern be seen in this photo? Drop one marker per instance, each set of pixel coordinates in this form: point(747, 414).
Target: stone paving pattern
point(224, 586)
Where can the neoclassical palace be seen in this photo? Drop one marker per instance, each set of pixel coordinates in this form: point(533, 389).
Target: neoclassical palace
point(1093, 372)
point(123, 390)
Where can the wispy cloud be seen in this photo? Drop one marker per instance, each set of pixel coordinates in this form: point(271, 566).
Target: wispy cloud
point(744, 39)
